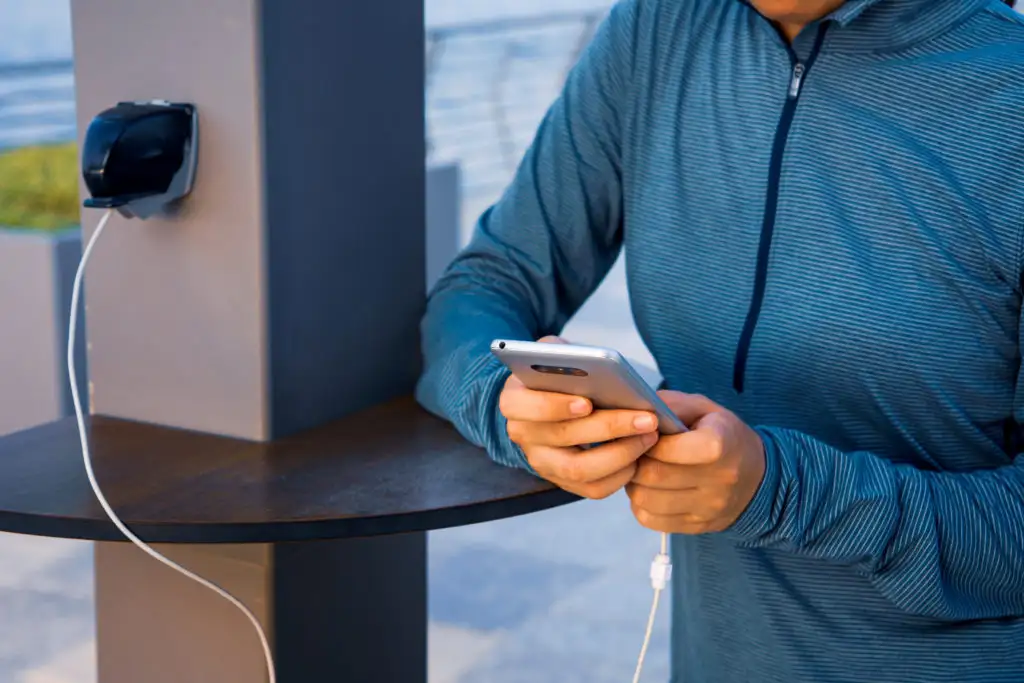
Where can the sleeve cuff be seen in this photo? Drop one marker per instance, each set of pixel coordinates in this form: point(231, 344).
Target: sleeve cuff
point(517, 457)
point(502, 449)
point(758, 520)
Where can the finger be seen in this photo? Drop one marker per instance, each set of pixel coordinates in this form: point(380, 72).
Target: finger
point(663, 475)
point(602, 488)
point(586, 467)
point(701, 504)
point(517, 403)
point(552, 339)
point(671, 477)
point(703, 445)
point(690, 408)
point(675, 524)
point(599, 427)
point(665, 502)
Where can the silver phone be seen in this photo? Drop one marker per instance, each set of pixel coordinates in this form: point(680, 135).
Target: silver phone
point(599, 374)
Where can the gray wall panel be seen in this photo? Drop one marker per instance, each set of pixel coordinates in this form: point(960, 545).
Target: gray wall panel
point(344, 162)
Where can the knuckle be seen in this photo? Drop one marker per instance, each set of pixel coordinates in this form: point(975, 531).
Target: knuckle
point(717, 504)
point(656, 469)
point(648, 520)
point(573, 469)
point(602, 428)
point(641, 497)
point(560, 434)
point(625, 450)
point(539, 465)
point(715, 447)
point(702, 401)
point(548, 475)
point(652, 471)
point(516, 431)
point(635, 446)
point(646, 471)
point(730, 476)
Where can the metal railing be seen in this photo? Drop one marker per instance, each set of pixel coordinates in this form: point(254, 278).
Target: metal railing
point(37, 102)
point(488, 85)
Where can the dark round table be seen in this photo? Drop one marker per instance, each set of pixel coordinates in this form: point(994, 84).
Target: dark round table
point(341, 512)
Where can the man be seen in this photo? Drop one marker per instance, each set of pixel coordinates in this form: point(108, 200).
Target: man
point(821, 241)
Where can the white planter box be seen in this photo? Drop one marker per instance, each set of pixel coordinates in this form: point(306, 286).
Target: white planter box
point(37, 270)
point(444, 213)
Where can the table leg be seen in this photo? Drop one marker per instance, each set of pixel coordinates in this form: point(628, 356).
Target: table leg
point(352, 610)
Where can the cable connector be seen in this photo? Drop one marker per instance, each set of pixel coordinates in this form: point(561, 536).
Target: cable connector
point(661, 571)
point(661, 574)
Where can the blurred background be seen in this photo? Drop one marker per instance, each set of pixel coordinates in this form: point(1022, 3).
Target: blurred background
point(560, 596)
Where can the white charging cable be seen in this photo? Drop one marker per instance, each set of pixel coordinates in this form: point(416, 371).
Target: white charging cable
point(661, 574)
point(72, 374)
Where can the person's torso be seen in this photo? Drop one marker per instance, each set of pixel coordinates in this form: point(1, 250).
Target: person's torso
point(832, 246)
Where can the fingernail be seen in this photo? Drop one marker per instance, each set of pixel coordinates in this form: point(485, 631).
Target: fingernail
point(579, 406)
point(644, 423)
point(649, 440)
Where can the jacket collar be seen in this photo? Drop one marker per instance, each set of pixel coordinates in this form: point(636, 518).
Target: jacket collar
point(851, 10)
point(891, 25)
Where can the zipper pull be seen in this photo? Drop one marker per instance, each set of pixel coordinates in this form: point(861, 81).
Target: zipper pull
point(796, 80)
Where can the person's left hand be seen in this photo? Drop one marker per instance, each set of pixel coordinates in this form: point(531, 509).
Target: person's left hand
point(700, 481)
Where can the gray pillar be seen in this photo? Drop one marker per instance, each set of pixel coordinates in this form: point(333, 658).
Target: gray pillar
point(287, 293)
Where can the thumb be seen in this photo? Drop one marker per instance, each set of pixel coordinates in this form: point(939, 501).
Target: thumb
point(690, 408)
point(552, 339)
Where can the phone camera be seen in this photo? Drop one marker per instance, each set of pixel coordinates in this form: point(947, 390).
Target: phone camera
point(556, 370)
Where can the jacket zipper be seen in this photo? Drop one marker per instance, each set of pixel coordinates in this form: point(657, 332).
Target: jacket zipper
point(798, 75)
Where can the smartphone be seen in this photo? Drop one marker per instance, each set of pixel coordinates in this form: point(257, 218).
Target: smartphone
point(599, 374)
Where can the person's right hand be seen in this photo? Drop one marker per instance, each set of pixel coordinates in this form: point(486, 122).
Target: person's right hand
point(551, 429)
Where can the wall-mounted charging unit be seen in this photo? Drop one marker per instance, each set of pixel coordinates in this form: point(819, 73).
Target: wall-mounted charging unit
point(140, 157)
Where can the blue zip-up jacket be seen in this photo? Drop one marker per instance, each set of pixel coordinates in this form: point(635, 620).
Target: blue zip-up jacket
point(826, 238)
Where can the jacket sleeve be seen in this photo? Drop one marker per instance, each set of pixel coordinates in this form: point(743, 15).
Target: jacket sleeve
point(541, 250)
point(945, 545)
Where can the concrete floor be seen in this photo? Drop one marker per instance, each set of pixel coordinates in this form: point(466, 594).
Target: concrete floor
point(556, 597)
point(559, 596)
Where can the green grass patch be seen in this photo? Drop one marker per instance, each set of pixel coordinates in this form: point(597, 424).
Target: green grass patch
point(39, 187)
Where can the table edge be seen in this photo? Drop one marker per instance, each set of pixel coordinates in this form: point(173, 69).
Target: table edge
point(286, 531)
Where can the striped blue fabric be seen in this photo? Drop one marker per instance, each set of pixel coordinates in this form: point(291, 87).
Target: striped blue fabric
point(828, 240)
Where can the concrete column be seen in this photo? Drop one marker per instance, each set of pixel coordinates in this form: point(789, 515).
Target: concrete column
point(287, 293)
